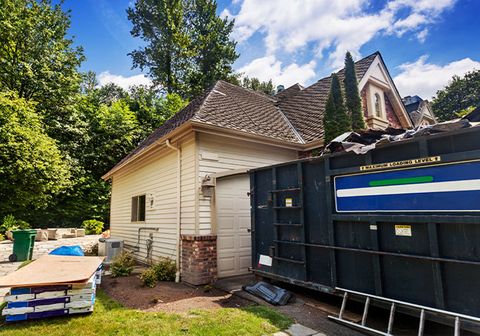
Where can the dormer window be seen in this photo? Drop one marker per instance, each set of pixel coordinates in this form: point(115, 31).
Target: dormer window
point(376, 116)
point(378, 105)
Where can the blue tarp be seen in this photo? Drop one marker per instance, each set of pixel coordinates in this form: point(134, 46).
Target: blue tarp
point(74, 250)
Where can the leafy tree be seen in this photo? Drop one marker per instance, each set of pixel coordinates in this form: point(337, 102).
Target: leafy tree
point(256, 85)
point(336, 120)
point(37, 61)
point(166, 55)
point(89, 82)
point(213, 50)
point(152, 108)
point(111, 132)
point(461, 94)
point(353, 101)
point(188, 46)
point(32, 169)
point(110, 93)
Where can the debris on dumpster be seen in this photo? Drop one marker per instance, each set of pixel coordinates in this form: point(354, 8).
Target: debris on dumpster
point(363, 141)
point(270, 293)
point(67, 288)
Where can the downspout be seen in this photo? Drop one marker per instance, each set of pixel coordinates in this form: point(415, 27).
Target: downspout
point(179, 195)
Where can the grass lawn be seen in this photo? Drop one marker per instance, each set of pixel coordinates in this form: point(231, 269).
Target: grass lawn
point(110, 318)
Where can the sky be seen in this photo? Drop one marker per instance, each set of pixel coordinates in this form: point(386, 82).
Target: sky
point(423, 42)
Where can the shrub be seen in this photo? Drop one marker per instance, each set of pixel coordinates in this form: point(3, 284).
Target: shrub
point(122, 265)
point(2, 237)
point(10, 223)
point(92, 226)
point(22, 225)
point(149, 277)
point(165, 270)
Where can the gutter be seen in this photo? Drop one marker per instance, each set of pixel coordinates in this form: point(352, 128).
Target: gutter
point(179, 195)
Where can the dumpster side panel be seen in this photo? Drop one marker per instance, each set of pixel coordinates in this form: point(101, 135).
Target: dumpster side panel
point(428, 257)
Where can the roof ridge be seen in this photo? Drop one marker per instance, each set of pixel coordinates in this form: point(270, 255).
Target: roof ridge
point(297, 134)
point(206, 95)
point(258, 93)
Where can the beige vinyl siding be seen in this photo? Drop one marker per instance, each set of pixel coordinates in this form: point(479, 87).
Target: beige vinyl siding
point(155, 176)
point(219, 154)
point(188, 187)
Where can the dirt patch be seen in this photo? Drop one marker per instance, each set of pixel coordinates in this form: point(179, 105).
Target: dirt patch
point(168, 296)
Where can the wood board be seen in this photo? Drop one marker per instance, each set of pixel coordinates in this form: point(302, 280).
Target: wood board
point(52, 270)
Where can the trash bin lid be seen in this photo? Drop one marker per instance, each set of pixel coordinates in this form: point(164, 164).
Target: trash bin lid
point(24, 232)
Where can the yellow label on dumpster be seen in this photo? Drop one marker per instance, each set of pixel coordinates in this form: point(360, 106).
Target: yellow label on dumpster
point(403, 230)
point(288, 202)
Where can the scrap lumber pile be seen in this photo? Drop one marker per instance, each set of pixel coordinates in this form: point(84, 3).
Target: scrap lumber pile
point(52, 286)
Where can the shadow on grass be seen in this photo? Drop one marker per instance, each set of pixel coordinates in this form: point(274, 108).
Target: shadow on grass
point(277, 319)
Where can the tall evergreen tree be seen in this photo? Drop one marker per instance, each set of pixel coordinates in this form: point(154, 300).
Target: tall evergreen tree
point(213, 49)
point(353, 101)
point(188, 46)
point(336, 120)
point(166, 55)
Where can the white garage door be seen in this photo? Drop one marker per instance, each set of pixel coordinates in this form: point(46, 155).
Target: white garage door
point(233, 222)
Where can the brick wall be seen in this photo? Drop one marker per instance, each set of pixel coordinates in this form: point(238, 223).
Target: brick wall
point(363, 95)
point(393, 120)
point(199, 259)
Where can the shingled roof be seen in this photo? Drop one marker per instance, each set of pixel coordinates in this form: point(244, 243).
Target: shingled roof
point(290, 91)
point(305, 109)
point(293, 116)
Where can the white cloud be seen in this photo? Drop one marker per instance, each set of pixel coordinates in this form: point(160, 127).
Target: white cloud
point(268, 67)
point(424, 79)
point(290, 25)
point(422, 35)
point(122, 81)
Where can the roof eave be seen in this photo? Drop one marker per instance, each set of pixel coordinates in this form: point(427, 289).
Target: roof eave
point(224, 131)
point(177, 132)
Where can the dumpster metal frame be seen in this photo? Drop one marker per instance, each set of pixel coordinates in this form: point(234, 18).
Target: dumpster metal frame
point(422, 149)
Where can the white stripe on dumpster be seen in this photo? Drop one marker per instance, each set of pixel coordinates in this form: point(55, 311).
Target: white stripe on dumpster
point(449, 186)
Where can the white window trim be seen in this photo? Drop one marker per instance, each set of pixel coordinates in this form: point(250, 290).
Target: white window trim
point(131, 208)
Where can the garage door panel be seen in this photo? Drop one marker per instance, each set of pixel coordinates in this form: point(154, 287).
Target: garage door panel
point(244, 242)
point(225, 242)
point(233, 221)
point(245, 263)
point(227, 222)
point(226, 264)
point(226, 203)
point(244, 222)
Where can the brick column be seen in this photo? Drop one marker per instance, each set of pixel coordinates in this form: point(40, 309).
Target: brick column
point(199, 259)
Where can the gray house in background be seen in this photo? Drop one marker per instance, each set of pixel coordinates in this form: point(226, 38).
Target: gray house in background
point(420, 110)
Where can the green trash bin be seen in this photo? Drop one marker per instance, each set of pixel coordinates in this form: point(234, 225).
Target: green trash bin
point(23, 241)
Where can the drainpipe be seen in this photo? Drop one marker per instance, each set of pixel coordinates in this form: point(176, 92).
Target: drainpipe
point(179, 166)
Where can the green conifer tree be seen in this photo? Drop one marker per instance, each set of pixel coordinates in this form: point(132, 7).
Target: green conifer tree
point(352, 97)
point(336, 120)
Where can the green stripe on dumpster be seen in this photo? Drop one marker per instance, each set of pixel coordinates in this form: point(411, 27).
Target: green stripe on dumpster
point(399, 181)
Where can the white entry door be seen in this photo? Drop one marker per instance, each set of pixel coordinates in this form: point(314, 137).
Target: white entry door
point(233, 223)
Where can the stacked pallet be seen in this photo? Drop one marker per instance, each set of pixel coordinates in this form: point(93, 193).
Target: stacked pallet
point(64, 295)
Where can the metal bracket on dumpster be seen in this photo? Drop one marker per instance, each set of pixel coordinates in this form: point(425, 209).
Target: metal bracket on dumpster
point(457, 318)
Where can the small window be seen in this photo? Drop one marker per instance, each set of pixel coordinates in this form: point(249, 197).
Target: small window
point(378, 105)
point(138, 208)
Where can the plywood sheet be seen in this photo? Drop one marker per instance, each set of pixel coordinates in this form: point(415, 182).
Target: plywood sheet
point(51, 270)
